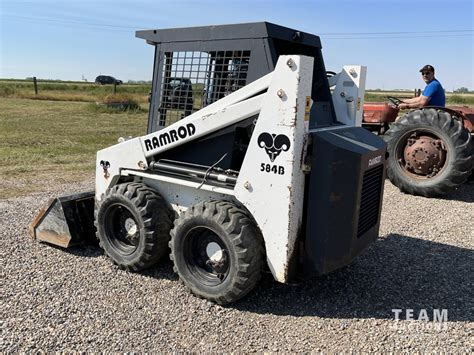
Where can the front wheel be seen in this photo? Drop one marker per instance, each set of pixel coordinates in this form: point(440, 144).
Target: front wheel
point(217, 251)
point(133, 225)
point(430, 153)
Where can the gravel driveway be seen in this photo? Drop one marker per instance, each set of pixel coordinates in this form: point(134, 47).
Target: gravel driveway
point(76, 299)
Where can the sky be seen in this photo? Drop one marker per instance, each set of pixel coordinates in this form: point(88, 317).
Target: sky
point(72, 39)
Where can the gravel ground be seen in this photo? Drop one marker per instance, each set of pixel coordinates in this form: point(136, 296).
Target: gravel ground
point(76, 300)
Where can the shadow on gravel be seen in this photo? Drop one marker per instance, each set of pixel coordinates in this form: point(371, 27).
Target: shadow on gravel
point(397, 272)
point(464, 193)
point(89, 250)
point(86, 250)
point(162, 270)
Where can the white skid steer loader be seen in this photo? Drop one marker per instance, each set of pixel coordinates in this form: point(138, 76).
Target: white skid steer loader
point(249, 162)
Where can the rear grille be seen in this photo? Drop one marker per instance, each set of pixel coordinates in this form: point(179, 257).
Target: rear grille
point(370, 199)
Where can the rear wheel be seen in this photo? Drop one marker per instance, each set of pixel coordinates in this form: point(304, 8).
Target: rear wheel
point(430, 153)
point(133, 225)
point(217, 251)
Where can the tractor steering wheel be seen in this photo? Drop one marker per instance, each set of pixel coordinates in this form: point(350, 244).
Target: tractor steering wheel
point(394, 100)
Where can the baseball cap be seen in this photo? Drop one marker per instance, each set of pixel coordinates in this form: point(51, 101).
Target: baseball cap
point(427, 68)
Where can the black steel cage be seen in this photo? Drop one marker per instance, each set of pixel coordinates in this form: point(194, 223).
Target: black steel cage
point(197, 66)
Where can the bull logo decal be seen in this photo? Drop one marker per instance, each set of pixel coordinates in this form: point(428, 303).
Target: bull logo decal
point(273, 144)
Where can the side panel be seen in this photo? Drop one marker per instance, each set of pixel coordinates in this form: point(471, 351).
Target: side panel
point(271, 180)
point(348, 95)
point(344, 197)
point(155, 90)
point(110, 162)
point(181, 197)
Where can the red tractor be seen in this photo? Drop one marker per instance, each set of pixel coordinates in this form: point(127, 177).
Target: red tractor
point(430, 149)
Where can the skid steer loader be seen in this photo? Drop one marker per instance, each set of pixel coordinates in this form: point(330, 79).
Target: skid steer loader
point(266, 169)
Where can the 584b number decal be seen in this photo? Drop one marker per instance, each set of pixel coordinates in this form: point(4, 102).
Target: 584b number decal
point(270, 168)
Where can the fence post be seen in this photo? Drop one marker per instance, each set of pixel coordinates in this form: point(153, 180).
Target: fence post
point(115, 86)
point(36, 85)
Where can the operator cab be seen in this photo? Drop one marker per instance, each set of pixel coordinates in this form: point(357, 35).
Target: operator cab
point(195, 67)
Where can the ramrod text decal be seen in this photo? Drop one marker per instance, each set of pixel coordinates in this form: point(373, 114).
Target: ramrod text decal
point(173, 135)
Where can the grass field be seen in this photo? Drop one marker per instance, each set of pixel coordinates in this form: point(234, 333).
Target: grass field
point(70, 91)
point(451, 98)
point(53, 137)
point(50, 142)
point(90, 92)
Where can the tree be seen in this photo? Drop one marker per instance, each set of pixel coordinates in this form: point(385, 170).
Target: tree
point(462, 90)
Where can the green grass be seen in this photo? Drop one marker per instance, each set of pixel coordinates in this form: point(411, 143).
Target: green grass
point(69, 91)
point(55, 141)
point(90, 92)
point(460, 99)
point(54, 136)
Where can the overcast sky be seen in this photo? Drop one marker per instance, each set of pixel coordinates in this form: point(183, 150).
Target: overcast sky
point(71, 39)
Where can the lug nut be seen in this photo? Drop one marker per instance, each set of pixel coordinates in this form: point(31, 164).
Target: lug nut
point(280, 93)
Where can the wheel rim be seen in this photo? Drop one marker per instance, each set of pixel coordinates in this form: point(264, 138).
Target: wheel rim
point(121, 228)
point(421, 154)
point(206, 256)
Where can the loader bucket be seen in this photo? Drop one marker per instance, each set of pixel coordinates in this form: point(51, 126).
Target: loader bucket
point(66, 220)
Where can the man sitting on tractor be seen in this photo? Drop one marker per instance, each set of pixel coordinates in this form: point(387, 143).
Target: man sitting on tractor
point(433, 94)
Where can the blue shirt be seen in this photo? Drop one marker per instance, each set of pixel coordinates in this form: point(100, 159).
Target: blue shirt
point(435, 92)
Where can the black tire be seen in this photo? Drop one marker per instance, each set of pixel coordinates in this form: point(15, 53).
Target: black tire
point(458, 152)
point(133, 226)
point(237, 242)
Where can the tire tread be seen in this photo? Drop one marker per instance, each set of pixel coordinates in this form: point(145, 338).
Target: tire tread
point(462, 143)
point(245, 238)
point(155, 215)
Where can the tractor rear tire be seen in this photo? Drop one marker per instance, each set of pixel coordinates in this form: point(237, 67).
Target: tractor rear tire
point(454, 143)
point(133, 226)
point(217, 251)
